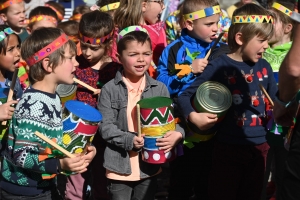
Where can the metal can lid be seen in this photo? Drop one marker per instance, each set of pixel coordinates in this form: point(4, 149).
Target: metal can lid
point(83, 111)
point(64, 90)
point(155, 102)
point(213, 97)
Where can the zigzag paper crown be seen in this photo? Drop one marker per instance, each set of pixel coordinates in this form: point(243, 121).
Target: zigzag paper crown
point(130, 29)
point(38, 18)
point(109, 7)
point(252, 19)
point(206, 12)
point(95, 41)
point(5, 33)
point(9, 3)
point(59, 15)
point(47, 50)
point(282, 9)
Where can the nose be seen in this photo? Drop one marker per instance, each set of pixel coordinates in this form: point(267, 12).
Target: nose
point(141, 58)
point(75, 63)
point(265, 44)
point(17, 52)
point(87, 52)
point(215, 27)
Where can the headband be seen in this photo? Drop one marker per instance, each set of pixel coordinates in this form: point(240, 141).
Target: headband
point(252, 19)
point(282, 9)
point(9, 3)
point(73, 38)
point(47, 50)
point(5, 33)
point(130, 29)
point(95, 41)
point(109, 7)
point(59, 15)
point(38, 18)
point(76, 17)
point(206, 12)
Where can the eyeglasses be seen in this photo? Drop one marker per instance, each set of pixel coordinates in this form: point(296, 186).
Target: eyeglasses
point(161, 2)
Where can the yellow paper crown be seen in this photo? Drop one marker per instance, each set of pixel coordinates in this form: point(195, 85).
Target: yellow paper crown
point(109, 7)
point(9, 3)
point(206, 12)
point(282, 9)
point(252, 19)
point(38, 18)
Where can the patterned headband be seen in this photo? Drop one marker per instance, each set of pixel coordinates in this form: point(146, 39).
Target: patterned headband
point(9, 3)
point(130, 29)
point(282, 9)
point(5, 33)
point(109, 7)
point(76, 17)
point(38, 18)
point(206, 12)
point(95, 41)
point(47, 50)
point(59, 15)
point(239, 19)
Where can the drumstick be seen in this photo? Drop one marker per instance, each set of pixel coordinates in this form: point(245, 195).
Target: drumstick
point(11, 89)
point(138, 111)
point(84, 85)
point(214, 45)
point(266, 94)
point(46, 139)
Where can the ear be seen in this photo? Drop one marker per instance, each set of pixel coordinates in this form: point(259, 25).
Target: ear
point(238, 38)
point(46, 66)
point(288, 28)
point(119, 57)
point(3, 17)
point(189, 24)
point(144, 6)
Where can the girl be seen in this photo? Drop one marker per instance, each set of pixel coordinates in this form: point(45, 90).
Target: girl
point(57, 8)
point(128, 176)
point(29, 170)
point(95, 68)
point(146, 14)
point(280, 44)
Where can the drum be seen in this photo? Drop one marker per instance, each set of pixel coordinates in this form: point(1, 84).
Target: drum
point(212, 97)
point(66, 92)
point(3, 128)
point(3, 95)
point(156, 119)
point(80, 124)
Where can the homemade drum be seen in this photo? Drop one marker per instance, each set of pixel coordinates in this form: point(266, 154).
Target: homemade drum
point(80, 123)
point(66, 92)
point(156, 119)
point(3, 128)
point(212, 97)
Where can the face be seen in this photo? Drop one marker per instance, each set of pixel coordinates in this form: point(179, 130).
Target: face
point(10, 61)
point(65, 70)
point(206, 28)
point(43, 23)
point(92, 53)
point(278, 32)
point(152, 10)
point(136, 59)
point(15, 16)
point(254, 49)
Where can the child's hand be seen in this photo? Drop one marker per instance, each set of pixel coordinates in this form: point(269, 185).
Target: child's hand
point(77, 164)
point(97, 91)
point(138, 142)
point(6, 110)
point(203, 121)
point(169, 141)
point(91, 152)
point(199, 65)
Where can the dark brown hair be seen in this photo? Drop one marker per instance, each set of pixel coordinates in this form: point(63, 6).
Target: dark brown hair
point(82, 9)
point(59, 7)
point(4, 43)
point(41, 10)
point(69, 27)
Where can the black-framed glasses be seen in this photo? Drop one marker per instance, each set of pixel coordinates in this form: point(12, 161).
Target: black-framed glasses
point(161, 2)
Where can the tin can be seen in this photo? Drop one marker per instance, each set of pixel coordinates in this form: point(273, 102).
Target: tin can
point(66, 92)
point(212, 97)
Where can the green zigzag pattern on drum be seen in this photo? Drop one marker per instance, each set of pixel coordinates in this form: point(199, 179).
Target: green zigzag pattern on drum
point(156, 117)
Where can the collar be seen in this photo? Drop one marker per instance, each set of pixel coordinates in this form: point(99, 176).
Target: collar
point(279, 49)
point(193, 41)
point(129, 86)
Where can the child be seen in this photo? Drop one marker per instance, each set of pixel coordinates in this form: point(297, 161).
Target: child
point(95, 69)
point(189, 51)
point(78, 12)
point(146, 14)
point(12, 12)
point(41, 16)
point(29, 170)
point(280, 44)
point(57, 8)
point(240, 150)
point(238, 4)
point(128, 176)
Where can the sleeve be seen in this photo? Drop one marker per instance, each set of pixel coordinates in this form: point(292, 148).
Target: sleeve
point(109, 130)
point(166, 70)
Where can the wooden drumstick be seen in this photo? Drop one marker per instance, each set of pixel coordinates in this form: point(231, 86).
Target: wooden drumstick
point(84, 85)
point(138, 111)
point(11, 89)
point(266, 94)
point(46, 139)
point(214, 45)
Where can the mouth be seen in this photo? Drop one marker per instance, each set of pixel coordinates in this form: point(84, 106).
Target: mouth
point(139, 68)
point(213, 37)
point(16, 63)
point(259, 55)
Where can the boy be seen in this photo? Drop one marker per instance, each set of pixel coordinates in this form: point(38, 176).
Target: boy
point(30, 164)
point(190, 171)
point(240, 151)
point(12, 12)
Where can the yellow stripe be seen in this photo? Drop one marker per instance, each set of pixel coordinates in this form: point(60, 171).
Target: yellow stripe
point(154, 131)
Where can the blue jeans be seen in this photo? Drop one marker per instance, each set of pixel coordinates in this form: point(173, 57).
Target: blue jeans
point(132, 190)
point(49, 195)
